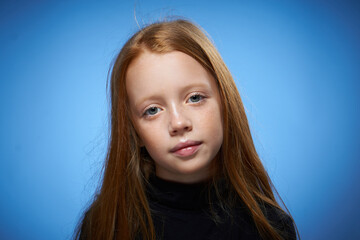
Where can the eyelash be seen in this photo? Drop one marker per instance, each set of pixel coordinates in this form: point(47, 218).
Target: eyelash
point(202, 97)
point(146, 112)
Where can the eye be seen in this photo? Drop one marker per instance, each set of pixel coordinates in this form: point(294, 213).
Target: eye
point(196, 98)
point(151, 111)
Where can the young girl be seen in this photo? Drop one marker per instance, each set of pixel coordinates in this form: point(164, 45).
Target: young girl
point(181, 162)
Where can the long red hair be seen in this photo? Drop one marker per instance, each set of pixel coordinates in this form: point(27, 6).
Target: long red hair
point(120, 210)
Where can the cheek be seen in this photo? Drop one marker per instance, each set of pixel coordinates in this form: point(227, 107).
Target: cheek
point(210, 120)
point(212, 115)
point(152, 137)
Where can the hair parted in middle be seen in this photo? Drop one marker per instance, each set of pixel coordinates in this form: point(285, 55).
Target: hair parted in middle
point(121, 203)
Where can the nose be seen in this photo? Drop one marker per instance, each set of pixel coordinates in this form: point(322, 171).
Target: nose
point(179, 122)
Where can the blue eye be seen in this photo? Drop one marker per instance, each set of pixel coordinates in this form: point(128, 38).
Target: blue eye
point(152, 111)
point(196, 98)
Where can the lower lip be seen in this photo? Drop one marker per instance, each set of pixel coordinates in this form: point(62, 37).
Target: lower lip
point(188, 151)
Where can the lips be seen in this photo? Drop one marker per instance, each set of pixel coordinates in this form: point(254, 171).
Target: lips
point(185, 149)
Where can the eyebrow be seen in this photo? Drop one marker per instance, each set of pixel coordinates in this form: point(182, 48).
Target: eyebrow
point(183, 90)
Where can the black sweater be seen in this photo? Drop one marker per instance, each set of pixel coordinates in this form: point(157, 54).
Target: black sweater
point(182, 211)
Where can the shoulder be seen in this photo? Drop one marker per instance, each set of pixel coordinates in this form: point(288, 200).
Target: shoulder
point(280, 220)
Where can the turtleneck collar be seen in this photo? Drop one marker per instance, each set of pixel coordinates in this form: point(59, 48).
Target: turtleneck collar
point(179, 195)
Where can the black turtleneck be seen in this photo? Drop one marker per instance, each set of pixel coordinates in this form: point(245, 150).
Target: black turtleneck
point(193, 211)
point(182, 211)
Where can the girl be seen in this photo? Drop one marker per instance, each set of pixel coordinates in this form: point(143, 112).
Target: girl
point(181, 162)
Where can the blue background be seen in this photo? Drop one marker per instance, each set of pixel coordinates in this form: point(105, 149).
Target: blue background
point(296, 64)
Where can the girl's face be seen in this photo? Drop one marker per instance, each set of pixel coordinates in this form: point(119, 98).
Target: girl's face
point(176, 110)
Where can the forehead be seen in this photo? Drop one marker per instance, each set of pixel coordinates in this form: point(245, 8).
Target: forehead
point(153, 73)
